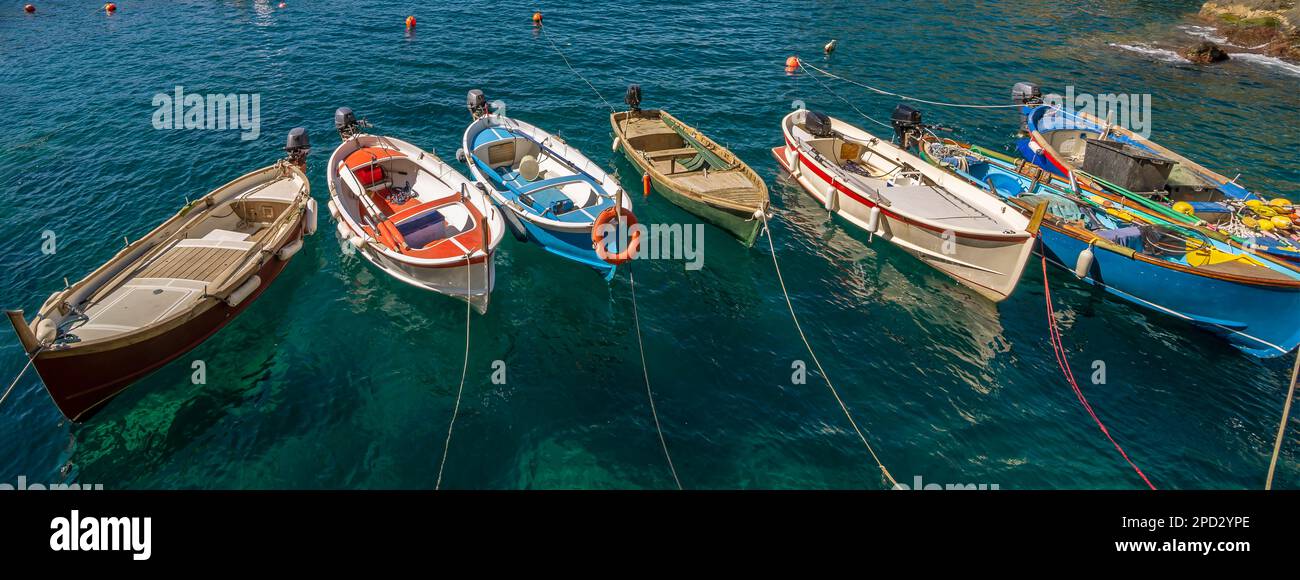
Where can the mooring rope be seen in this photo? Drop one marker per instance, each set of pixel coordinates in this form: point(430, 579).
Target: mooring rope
point(904, 97)
point(464, 370)
point(1281, 428)
point(30, 360)
point(636, 317)
point(1062, 361)
point(846, 101)
point(883, 470)
point(645, 371)
point(573, 70)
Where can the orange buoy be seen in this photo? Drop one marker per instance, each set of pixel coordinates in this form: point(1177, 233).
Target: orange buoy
point(792, 62)
point(537, 18)
point(29, 9)
point(110, 7)
point(598, 243)
point(410, 22)
point(645, 185)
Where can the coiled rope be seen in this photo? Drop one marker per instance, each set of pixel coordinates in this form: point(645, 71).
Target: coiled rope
point(1281, 428)
point(804, 65)
point(636, 317)
point(464, 369)
point(883, 470)
point(1062, 361)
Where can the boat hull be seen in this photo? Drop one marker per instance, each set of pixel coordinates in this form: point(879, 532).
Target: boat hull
point(471, 281)
point(1254, 318)
point(990, 265)
point(743, 227)
point(82, 380)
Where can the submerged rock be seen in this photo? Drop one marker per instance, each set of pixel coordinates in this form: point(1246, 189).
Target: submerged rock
point(1269, 27)
point(1205, 53)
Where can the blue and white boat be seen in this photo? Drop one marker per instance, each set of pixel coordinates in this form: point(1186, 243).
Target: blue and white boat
point(1251, 300)
point(550, 193)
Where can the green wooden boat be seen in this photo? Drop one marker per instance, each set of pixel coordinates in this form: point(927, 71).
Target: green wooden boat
point(692, 171)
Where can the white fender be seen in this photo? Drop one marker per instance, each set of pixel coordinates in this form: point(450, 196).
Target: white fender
point(873, 218)
point(289, 250)
point(309, 218)
point(1084, 263)
point(243, 291)
point(46, 331)
point(615, 145)
point(333, 209)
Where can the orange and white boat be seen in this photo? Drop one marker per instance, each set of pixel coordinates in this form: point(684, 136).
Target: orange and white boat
point(411, 215)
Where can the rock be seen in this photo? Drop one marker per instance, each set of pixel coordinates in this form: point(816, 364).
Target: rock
point(1205, 53)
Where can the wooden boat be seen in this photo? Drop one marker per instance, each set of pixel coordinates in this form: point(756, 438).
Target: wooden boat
point(165, 293)
point(551, 194)
point(943, 220)
point(1141, 257)
point(690, 170)
point(1107, 157)
point(411, 215)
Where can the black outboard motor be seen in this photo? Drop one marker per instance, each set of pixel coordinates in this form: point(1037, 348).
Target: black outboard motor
point(818, 124)
point(345, 122)
point(476, 102)
point(907, 124)
point(298, 146)
point(633, 97)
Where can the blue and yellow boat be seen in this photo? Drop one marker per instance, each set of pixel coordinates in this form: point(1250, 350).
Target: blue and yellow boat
point(1210, 281)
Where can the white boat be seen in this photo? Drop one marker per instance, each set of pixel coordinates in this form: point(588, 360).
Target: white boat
point(412, 215)
point(947, 223)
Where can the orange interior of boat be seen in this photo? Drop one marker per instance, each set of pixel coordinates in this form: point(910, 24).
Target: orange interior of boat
point(367, 164)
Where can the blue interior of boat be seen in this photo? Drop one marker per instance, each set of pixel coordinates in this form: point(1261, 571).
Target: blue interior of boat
point(541, 197)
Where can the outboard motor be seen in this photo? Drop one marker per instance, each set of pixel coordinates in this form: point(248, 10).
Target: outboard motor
point(1026, 95)
point(633, 97)
point(818, 124)
point(476, 102)
point(298, 146)
point(907, 124)
point(345, 122)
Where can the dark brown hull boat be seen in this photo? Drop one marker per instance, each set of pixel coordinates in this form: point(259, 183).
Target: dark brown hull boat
point(169, 291)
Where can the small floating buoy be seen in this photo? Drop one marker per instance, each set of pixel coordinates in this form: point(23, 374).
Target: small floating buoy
point(410, 22)
point(645, 185)
point(110, 8)
point(830, 47)
point(792, 62)
point(282, 5)
point(537, 18)
point(29, 9)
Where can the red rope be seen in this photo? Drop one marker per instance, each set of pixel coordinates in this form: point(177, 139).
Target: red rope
point(1064, 363)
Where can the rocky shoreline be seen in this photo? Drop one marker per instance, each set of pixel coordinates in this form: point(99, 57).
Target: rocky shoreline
point(1270, 27)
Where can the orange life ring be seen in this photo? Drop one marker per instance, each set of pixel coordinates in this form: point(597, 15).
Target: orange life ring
point(598, 242)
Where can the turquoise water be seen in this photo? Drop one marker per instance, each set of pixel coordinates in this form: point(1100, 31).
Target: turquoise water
point(340, 378)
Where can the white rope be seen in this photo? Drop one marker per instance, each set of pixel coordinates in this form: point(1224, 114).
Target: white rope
point(1281, 429)
point(904, 97)
point(575, 71)
point(847, 102)
point(464, 370)
point(636, 317)
point(30, 359)
point(797, 326)
point(646, 372)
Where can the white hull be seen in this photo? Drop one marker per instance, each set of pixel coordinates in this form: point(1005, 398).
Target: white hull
point(988, 259)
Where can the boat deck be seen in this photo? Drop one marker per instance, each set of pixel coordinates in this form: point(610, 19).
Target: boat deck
point(658, 145)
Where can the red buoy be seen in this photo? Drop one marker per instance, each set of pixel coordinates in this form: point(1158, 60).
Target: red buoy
point(110, 7)
point(29, 9)
point(410, 22)
point(792, 62)
point(537, 18)
point(645, 185)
